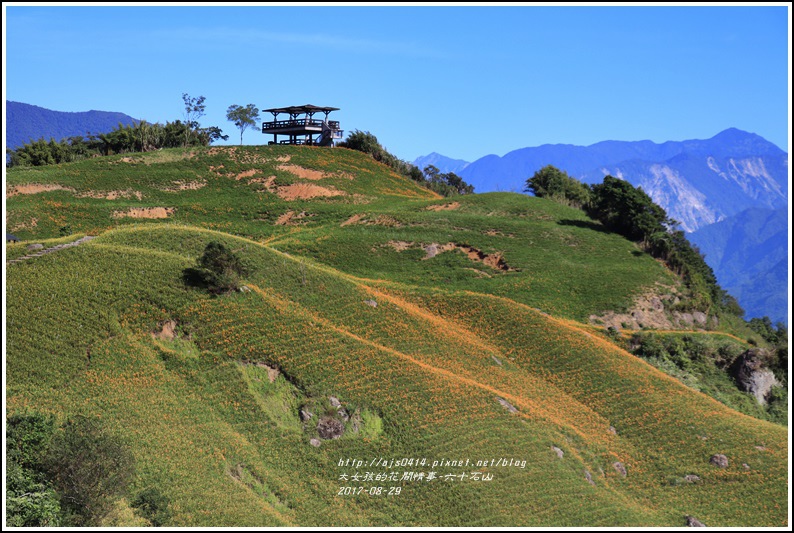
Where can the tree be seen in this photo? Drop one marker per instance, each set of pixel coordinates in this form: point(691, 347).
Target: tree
point(551, 182)
point(90, 468)
point(243, 117)
point(194, 110)
point(218, 270)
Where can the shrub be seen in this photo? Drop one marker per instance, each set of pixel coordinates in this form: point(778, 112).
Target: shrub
point(90, 468)
point(153, 506)
point(218, 270)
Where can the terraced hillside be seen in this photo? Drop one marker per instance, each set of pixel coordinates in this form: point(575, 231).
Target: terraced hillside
point(451, 334)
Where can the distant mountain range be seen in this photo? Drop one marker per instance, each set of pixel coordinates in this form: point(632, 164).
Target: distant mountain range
point(749, 255)
point(25, 123)
point(698, 182)
point(441, 162)
point(725, 189)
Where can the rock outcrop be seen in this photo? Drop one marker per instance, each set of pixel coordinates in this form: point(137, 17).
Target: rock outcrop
point(751, 374)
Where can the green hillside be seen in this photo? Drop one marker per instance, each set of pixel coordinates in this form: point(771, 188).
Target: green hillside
point(443, 334)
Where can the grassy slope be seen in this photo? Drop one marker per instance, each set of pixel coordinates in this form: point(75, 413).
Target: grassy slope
point(426, 359)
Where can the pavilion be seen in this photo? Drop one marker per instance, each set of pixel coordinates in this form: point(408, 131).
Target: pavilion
point(302, 127)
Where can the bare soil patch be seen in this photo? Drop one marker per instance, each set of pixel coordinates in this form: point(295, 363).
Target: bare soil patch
point(306, 191)
point(443, 207)
point(168, 331)
point(111, 195)
point(400, 246)
point(290, 218)
point(145, 212)
point(495, 260)
point(35, 188)
point(246, 174)
point(380, 220)
point(304, 173)
point(352, 220)
point(185, 186)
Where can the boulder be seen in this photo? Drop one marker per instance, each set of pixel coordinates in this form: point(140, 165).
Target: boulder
point(507, 405)
point(619, 468)
point(699, 318)
point(751, 374)
point(558, 451)
point(305, 414)
point(334, 401)
point(719, 460)
point(330, 428)
point(371, 303)
point(691, 478)
point(613, 430)
point(35, 246)
point(315, 442)
point(691, 521)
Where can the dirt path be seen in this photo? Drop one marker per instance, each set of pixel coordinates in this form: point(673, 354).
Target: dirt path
point(56, 248)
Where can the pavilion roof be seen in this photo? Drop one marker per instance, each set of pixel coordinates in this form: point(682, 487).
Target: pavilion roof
point(299, 109)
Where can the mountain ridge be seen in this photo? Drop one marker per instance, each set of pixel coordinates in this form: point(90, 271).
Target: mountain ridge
point(28, 122)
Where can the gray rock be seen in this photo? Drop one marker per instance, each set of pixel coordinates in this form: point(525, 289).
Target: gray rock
point(589, 478)
point(343, 414)
point(699, 318)
point(691, 478)
point(371, 303)
point(619, 468)
point(496, 360)
point(558, 451)
point(305, 414)
point(36, 246)
point(751, 374)
point(745, 466)
point(315, 442)
point(330, 428)
point(335, 401)
point(719, 460)
point(507, 405)
point(613, 430)
point(691, 521)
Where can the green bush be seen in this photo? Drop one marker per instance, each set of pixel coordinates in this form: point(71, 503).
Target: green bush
point(152, 505)
point(218, 269)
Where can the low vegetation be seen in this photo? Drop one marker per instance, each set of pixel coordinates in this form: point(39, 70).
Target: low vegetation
point(369, 327)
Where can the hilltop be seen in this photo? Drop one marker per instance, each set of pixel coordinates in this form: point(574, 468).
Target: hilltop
point(444, 335)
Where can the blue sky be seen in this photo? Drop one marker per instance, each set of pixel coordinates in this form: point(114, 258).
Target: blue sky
point(464, 81)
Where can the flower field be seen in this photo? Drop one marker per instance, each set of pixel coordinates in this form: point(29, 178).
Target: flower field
point(440, 364)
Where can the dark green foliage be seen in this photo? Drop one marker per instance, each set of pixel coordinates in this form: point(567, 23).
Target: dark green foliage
point(153, 506)
point(30, 502)
point(445, 184)
point(90, 468)
point(629, 211)
point(218, 269)
point(776, 334)
point(555, 184)
point(28, 437)
point(626, 210)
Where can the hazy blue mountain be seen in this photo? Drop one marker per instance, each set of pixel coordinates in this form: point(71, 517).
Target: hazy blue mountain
point(25, 123)
point(749, 255)
point(441, 162)
point(731, 190)
point(698, 182)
